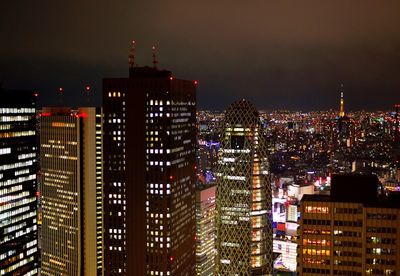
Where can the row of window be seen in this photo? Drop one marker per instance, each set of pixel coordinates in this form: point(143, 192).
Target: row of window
point(347, 243)
point(376, 261)
point(381, 251)
point(7, 110)
point(347, 253)
point(347, 263)
point(381, 240)
point(357, 223)
point(316, 222)
point(5, 151)
point(318, 271)
point(389, 230)
point(14, 118)
point(348, 210)
point(347, 233)
point(316, 210)
point(382, 216)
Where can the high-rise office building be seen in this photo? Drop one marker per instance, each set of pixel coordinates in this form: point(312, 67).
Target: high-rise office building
point(149, 176)
point(353, 231)
point(18, 184)
point(205, 230)
point(71, 190)
point(244, 229)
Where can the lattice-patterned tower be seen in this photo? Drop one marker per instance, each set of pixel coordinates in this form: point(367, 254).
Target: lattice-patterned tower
point(244, 230)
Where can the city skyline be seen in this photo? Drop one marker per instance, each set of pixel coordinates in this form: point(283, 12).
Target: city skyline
point(200, 138)
point(279, 55)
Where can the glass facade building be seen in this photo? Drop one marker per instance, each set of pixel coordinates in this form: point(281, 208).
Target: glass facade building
point(244, 229)
point(18, 184)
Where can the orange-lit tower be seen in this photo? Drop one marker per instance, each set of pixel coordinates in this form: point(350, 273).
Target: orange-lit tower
point(341, 112)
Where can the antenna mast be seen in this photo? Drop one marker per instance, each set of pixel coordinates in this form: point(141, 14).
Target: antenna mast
point(155, 61)
point(131, 58)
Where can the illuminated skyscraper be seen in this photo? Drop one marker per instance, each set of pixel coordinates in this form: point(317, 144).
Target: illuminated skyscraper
point(205, 230)
point(18, 184)
point(149, 149)
point(244, 230)
point(71, 168)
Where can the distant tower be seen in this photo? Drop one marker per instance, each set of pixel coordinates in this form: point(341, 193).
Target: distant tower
point(341, 112)
point(131, 57)
point(244, 230)
point(397, 126)
point(154, 55)
point(396, 146)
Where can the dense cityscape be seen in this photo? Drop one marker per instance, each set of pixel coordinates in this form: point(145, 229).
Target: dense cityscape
point(251, 139)
point(147, 185)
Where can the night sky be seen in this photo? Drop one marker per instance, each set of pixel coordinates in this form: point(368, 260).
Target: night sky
point(277, 54)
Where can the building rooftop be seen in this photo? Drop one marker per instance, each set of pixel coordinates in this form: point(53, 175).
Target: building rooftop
point(148, 72)
point(357, 188)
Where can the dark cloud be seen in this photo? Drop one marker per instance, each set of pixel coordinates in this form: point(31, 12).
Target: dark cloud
point(279, 54)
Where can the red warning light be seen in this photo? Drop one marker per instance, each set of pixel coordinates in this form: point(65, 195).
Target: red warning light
point(87, 88)
point(81, 115)
point(196, 82)
point(171, 259)
point(36, 94)
point(37, 194)
point(60, 89)
point(171, 177)
point(171, 78)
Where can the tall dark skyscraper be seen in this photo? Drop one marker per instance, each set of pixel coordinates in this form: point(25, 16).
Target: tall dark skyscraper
point(244, 228)
point(149, 177)
point(18, 183)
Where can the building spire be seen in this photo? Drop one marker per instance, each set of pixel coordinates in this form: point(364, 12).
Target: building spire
point(131, 59)
point(341, 112)
point(155, 61)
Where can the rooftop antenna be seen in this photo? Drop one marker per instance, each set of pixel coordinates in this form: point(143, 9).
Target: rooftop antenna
point(61, 93)
point(155, 61)
point(131, 58)
point(88, 89)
